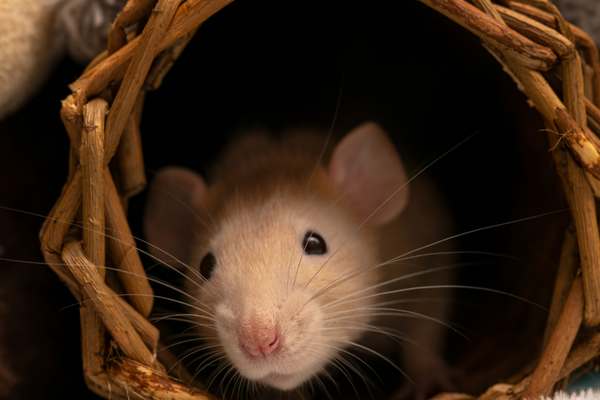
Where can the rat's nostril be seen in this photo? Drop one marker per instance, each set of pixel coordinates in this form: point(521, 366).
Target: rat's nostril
point(273, 345)
point(262, 345)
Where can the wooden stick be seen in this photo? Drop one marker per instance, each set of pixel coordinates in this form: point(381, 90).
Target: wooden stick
point(148, 332)
point(92, 157)
point(129, 153)
point(189, 15)
point(567, 270)
point(581, 148)
point(495, 392)
point(582, 40)
point(585, 351)
point(147, 383)
point(592, 111)
point(92, 340)
point(73, 127)
point(166, 60)
point(561, 24)
point(551, 363)
point(123, 251)
point(59, 220)
point(131, 13)
point(585, 152)
point(452, 396)
point(114, 319)
point(537, 32)
point(136, 72)
point(528, 53)
point(583, 210)
point(101, 385)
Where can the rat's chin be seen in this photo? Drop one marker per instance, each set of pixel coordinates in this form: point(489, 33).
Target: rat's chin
point(283, 381)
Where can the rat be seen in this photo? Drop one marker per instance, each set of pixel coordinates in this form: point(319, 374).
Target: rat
point(292, 259)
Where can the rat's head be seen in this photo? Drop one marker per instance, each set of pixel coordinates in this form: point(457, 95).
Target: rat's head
point(281, 258)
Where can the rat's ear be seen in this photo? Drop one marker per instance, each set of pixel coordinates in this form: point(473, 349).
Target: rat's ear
point(366, 169)
point(175, 196)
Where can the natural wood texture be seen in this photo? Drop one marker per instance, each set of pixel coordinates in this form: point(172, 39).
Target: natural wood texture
point(166, 60)
point(582, 40)
point(497, 34)
point(92, 157)
point(91, 189)
point(570, 120)
point(123, 251)
point(189, 15)
point(92, 340)
point(452, 396)
point(136, 73)
point(592, 111)
point(113, 317)
point(567, 269)
point(583, 352)
point(522, 35)
point(582, 149)
point(548, 371)
point(496, 392)
point(129, 153)
point(57, 224)
point(148, 332)
point(143, 382)
point(131, 13)
point(537, 31)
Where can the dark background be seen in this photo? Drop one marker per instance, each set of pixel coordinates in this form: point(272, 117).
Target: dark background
point(277, 64)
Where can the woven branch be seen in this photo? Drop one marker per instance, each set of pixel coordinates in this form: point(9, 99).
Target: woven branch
point(525, 36)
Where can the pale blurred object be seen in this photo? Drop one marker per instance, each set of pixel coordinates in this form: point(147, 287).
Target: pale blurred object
point(34, 35)
point(83, 25)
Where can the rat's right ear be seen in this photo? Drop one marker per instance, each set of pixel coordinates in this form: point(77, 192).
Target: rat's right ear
point(176, 195)
point(366, 169)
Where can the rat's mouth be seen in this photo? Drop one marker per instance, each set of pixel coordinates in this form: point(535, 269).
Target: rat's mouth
point(282, 381)
point(280, 377)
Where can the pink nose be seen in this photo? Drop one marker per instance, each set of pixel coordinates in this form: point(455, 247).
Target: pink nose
point(261, 343)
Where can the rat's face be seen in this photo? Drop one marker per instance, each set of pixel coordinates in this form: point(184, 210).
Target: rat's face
point(283, 267)
point(276, 286)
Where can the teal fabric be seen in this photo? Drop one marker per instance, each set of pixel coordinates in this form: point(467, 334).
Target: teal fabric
point(589, 380)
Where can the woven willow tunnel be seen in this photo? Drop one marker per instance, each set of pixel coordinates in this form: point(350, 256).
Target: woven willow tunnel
point(554, 63)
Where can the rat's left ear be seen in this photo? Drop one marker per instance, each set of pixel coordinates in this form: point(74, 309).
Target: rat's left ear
point(366, 166)
point(175, 198)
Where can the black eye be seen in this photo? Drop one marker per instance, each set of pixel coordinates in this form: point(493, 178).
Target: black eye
point(207, 265)
point(314, 244)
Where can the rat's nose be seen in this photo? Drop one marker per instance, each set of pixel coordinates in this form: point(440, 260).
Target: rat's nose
point(260, 342)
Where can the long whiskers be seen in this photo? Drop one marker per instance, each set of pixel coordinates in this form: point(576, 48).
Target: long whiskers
point(403, 256)
point(398, 313)
point(74, 223)
point(453, 287)
point(390, 197)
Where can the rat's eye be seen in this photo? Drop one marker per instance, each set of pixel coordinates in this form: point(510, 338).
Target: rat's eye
point(314, 244)
point(207, 265)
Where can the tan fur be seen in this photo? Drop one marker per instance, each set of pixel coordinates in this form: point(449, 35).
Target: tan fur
point(261, 208)
point(426, 220)
point(27, 50)
point(263, 198)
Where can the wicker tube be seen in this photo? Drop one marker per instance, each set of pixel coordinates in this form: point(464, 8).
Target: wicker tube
point(120, 344)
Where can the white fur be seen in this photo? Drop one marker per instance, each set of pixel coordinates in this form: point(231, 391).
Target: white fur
point(590, 394)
